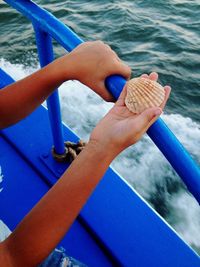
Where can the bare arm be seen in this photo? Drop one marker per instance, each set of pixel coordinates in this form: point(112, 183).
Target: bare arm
point(43, 228)
point(90, 63)
point(21, 98)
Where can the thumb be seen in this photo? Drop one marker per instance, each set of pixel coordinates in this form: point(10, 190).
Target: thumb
point(147, 118)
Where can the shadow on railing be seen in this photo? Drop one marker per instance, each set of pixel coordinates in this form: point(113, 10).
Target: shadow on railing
point(47, 26)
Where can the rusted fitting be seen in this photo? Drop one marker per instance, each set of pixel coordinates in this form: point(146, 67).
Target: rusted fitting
point(71, 151)
point(59, 157)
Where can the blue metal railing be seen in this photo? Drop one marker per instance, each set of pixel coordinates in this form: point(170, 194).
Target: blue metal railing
point(45, 52)
point(46, 24)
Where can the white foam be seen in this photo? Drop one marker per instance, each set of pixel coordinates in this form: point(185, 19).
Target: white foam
point(142, 165)
point(187, 213)
point(16, 71)
point(4, 231)
point(81, 107)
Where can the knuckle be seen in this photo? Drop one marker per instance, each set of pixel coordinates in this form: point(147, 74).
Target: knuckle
point(115, 55)
point(128, 69)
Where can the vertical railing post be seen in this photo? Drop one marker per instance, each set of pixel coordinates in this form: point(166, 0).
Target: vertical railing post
point(45, 52)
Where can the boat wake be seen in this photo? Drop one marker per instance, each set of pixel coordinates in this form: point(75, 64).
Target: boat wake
point(142, 165)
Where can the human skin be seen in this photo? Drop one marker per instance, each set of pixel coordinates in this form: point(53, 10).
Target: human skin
point(90, 63)
point(35, 237)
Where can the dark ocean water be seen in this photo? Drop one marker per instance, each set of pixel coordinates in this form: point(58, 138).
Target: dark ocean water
point(160, 36)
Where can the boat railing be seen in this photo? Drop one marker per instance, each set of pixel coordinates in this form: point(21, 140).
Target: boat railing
point(46, 27)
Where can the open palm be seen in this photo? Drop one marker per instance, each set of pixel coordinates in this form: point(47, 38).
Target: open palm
point(121, 128)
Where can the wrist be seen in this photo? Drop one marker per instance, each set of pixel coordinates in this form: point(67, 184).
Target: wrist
point(59, 70)
point(104, 151)
point(65, 68)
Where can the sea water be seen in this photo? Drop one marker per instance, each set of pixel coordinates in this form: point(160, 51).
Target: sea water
point(160, 36)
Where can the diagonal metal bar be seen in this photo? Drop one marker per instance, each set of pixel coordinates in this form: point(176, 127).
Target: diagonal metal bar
point(160, 134)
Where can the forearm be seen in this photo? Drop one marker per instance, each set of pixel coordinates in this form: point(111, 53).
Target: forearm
point(90, 63)
point(54, 214)
point(19, 99)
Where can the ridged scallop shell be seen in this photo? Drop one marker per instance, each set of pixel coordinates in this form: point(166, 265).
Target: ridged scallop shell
point(143, 93)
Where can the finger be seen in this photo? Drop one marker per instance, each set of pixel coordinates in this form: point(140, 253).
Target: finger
point(125, 70)
point(116, 56)
point(167, 94)
point(146, 76)
point(153, 76)
point(146, 118)
point(120, 68)
point(121, 99)
point(108, 97)
point(105, 94)
point(152, 121)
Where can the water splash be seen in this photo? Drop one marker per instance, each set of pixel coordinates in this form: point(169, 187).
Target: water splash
point(142, 165)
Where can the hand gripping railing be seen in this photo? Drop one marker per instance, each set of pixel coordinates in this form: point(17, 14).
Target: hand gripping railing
point(47, 26)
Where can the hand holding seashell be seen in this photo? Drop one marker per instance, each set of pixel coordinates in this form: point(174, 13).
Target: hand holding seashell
point(129, 119)
point(143, 93)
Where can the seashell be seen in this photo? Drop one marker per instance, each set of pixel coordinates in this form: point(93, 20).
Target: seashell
point(143, 93)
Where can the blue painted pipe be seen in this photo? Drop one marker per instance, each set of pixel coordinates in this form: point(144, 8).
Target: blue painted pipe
point(165, 140)
point(168, 143)
point(45, 52)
